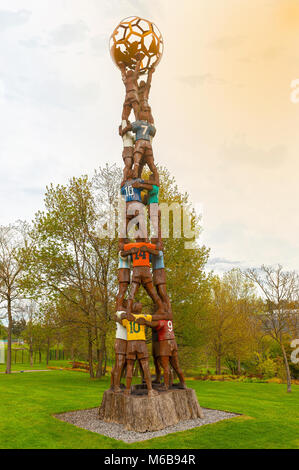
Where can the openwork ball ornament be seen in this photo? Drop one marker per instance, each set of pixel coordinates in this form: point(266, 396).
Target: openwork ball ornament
point(134, 35)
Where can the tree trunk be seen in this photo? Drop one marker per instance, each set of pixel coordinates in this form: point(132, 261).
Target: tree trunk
point(73, 357)
point(218, 365)
point(91, 373)
point(98, 353)
point(105, 362)
point(99, 368)
point(100, 356)
point(48, 351)
point(9, 329)
point(40, 356)
point(239, 367)
point(31, 352)
point(141, 414)
point(288, 373)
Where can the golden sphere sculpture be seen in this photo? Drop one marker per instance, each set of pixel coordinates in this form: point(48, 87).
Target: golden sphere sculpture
point(134, 34)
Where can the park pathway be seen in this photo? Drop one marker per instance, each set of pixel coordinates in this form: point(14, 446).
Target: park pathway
point(24, 371)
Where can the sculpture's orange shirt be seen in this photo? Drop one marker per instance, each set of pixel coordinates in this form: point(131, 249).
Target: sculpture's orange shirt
point(141, 258)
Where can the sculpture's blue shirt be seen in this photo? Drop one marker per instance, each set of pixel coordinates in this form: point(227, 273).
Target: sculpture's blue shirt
point(124, 262)
point(130, 193)
point(158, 261)
point(143, 130)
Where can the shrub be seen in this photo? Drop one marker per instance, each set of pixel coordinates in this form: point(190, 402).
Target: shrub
point(274, 380)
point(268, 368)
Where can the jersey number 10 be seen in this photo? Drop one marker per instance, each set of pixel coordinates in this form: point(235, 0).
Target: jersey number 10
point(134, 327)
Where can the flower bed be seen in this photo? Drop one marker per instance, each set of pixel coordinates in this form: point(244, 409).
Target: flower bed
point(241, 378)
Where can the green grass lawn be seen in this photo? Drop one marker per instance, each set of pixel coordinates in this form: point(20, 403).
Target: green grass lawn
point(27, 402)
point(36, 366)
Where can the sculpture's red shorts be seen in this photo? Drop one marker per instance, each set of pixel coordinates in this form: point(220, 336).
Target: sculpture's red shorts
point(168, 347)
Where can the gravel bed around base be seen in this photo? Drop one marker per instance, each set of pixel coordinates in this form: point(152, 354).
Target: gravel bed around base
point(89, 419)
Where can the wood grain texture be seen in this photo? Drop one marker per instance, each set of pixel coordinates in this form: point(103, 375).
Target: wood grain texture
point(140, 413)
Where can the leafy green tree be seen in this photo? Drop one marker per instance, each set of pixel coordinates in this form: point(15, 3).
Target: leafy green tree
point(221, 322)
point(231, 320)
point(3, 331)
point(13, 243)
point(280, 292)
point(28, 333)
point(18, 326)
point(71, 259)
point(74, 263)
point(188, 284)
point(246, 307)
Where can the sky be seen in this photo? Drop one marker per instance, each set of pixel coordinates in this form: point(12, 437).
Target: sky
point(226, 126)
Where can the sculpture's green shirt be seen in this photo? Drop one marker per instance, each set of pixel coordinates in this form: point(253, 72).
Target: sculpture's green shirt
point(153, 195)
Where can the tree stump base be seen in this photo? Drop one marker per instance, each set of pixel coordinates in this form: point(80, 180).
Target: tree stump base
point(137, 412)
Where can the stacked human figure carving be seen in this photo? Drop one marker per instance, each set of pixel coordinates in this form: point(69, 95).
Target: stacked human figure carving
point(141, 258)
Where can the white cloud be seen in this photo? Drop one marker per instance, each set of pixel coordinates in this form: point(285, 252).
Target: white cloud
point(68, 34)
point(242, 153)
point(2, 91)
point(197, 80)
point(31, 42)
point(227, 42)
point(215, 261)
point(61, 99)
point(99, 44)
point(11, 19)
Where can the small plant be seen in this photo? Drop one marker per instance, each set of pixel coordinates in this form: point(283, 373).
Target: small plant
point(268, 368)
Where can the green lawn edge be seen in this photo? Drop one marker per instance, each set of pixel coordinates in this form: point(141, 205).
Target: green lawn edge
point(269, 416)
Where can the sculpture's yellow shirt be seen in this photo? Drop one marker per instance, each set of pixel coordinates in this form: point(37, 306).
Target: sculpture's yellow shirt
point(136, 332)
